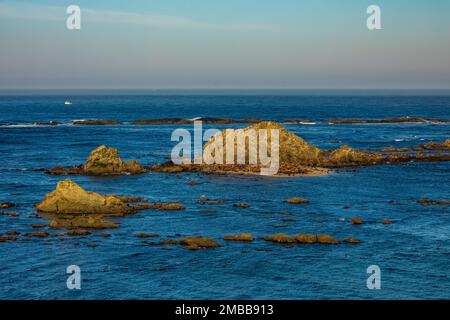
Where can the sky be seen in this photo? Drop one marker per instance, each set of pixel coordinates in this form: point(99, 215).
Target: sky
point(218, 44)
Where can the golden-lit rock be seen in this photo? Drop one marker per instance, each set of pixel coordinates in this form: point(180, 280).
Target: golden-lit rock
point(70, 198)
point(102, 161)
point(280, 238)
point(297, 200)
point(356, 220)
point(306, 238)
point(198, 242)
point(326, 239)
point(239, 237)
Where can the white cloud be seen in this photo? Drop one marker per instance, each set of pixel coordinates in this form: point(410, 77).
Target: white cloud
point(55, 13)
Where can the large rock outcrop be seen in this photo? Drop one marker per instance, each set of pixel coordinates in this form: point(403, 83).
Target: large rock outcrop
point(70, 198)
point(296, 156)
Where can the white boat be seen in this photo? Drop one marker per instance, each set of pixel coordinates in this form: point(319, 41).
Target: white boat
point(67, 102)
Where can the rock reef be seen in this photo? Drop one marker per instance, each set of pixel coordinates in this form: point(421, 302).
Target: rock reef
point(207, 120)
point(70, 206)
point(198, 243)
point(298, 157)
point(427, 202)
point(102, 161)
point(95, 122)
point(387, 120)
point(239, 237)
point(302, 239)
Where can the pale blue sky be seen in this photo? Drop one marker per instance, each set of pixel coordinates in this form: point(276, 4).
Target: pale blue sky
point(225, 44)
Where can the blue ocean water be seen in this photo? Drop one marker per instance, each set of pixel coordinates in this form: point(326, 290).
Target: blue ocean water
point(413, 253)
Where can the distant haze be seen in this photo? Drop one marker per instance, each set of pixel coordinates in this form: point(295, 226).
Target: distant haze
point(225, 44)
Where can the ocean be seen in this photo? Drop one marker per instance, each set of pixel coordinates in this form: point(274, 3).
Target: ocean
point(413, 253)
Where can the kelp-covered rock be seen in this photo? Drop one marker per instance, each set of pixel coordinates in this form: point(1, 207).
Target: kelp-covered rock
point(102, 161)
point(70, 198)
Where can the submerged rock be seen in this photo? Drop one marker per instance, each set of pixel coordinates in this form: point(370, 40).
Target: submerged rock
point(40, 234)
point(102, 161)
point(78, 232)
point(168, 242)
point(38, 225)
point(426, 202)
point(6, 205)
point(205, 200)
point(9, 214)
point(351, 240)
point(357, 221)
point(386, 221)
point(12, 233)
point(297, 200)
point(163, 206)
point(239, 237)
point(242, 205)
point(83, 221)
point(147, 235)
point(4, 239)
point(198, 242)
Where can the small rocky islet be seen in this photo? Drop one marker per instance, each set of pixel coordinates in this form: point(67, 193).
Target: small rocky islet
point(102, 161)
point(298, 157)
